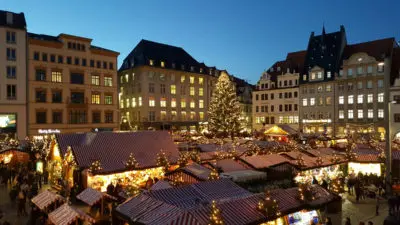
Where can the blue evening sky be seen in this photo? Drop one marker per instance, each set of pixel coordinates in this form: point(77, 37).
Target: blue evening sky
point(243, 37)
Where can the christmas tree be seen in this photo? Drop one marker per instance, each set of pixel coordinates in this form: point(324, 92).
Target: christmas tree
point(131, 164)
point(213, 175)
point(268, 206)
point(224, 112)
point(215, 217)
point(162, 160)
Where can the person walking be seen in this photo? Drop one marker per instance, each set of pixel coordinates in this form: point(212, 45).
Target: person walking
point(348, 222)
point(377, 203)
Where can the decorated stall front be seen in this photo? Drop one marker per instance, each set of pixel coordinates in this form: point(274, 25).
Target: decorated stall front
point(13, 156)
point(276, 133)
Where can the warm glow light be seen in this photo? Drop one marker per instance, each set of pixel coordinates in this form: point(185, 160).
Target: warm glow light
point(56, 152)
point(365, 168)
point(7, 158)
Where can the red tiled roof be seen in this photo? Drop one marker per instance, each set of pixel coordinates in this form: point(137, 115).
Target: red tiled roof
point(367, 158)
point(65, 215)
point(216, 148)
point(379, 49)
point(322, 151)
point(264, 161)
point(113, 149)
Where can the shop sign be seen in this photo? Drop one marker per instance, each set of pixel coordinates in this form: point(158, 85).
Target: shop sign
point(49, 131)
point(318, 121)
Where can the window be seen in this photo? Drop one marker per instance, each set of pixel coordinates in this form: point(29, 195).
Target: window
point(56, 77)
point(380, 114)
point(380, 67)
point(11, 37)
point(369, 69)
point(95, 80)
point(319, 89)
point(172, 77)
point(173, 89)
point(370, 98)
point(96, 117)
point(192, 104)
point(77, 97)
point(360, 99)
point(173, 102)
point(41, 117)
point(126, 78)
point(295, 107)
point(312, 76)
point(183, 103)
point(192, 92)
point(60, 59)
point(328, 88)
point(380, 97)
point(52, 58)
point(341, 87)
point(44, 57)
point(341, 114)
point(151, 62)
point(304, 77)
point(98, 64)
point(162, 88)
point(140, 101)
point(295, 94)
point(11, 54)
point(304, 102)
point(280, 95)
point(191, 80)
point(201, 92)
point(133, 102)
point(312, 101)
point(319, 75)
point(272, 96)
point(104, 65)
point(349, 72)
point(77, 78)
point(152, 116)
point(121, 104)
point(257, 108)
point(201, 80)
point(380, 83)
point(360, 114)
point(108, 81)
point(328, 74)
point(108, 99)
point(183, 79)
point(152, 102)
point(11, 91)
point(163, 102)
point(359, 70)
point(369, 84)
point(91, 63)
point(56, 96)
point(320, 101)
point(350, 99)
point(349, 86)
point(350, 114)
point(151, 87)
point(328, 100)
point(183, 90)
point(162, 64)
point(163, 115)
point(359, 84)
point(96, 99)
point(111, 66)
point(11, 72)
point(183, 115)
point(370, 113)
point(36, 56)
point(83, 62)
point(201, 104)
point(108, 117)
point(341, 100)
point(69, 60)
point(57, 117)
point(40, 95)
point(40, 75)
point(162, 77)
point(201, 115)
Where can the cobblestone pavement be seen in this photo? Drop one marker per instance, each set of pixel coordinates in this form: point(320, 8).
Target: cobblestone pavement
point(10, 208)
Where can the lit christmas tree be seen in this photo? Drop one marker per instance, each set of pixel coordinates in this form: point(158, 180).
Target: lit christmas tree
point(305, 193)
point(268, 206)
point(131, 164)
point(183, 159)
point(132, 190)
point(337, 185)
point(350, 154)
point(335, 159)
point(224, 112)
point(195, 157)
point(95, 167)
point(319, 161)
point(215, 217)
point(162, 160)
point(213, 175)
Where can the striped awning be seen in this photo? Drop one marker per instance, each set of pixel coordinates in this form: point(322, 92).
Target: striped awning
point(46, 198)
point(65, 215)
point(91, 196)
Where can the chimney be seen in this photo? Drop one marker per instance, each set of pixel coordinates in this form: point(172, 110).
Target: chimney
point(9, 18)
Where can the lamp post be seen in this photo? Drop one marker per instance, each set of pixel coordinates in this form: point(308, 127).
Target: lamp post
point(388, 149)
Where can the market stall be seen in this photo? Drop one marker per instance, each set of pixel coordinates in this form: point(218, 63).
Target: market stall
point(323, 173)
point(66, 214)
point(303, 217)
point(12, 156)
point(92, 197)
point(46, 200)
point(276, 133)
point(365, 168)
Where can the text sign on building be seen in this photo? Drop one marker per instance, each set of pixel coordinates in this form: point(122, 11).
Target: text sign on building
point(49, 131)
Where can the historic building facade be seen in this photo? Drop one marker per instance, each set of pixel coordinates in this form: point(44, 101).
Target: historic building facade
point(163, 87)
point(13, 75)
point(276, 98)
point(72, 85)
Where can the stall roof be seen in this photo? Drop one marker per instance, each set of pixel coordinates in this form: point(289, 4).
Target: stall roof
point(229, 165)
point(245, 175)
point(91, 196)
point(322, 151)
point(161, 184)
point(113, 149)
point(216, 148)
point(276, 131)
point(196, 170)
point(46, 198)
point(65, 215)
point(368, 158)
point(264, 161)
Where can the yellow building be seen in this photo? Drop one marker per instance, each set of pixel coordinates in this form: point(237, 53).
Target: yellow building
point(72, 85)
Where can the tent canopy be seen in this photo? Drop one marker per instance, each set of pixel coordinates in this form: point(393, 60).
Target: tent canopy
point(91, 196)
point(46, 198)
point(276, 131)
point(65, 215)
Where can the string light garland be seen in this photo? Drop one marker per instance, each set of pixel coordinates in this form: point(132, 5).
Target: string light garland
point(350, 154)
point(319, 161)
point(183, 159)
point(162, 160)
point(195, 157)
point(337, 185)
point(335, 159)
point(177, 180)
point(215, 217)
point(131, 164)
point(305, 193)
point(95, 167)
point(132, 190)
point(300, 161)
point(213, 174)
point(268, 206)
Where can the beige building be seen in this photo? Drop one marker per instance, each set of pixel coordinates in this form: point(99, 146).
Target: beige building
point(13, 75)
point(276, 100)
point(72, 85)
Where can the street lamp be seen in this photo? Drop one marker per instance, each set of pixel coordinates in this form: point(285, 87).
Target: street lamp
point(388, 149)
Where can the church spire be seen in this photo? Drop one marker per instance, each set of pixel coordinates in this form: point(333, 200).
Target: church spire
point(323, 29)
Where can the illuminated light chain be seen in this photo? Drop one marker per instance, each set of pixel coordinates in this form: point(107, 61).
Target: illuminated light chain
point(300, 161)
point(132, 190)
point(195, 157)
point(335, 159)
point(305, 193)
point(177, 180)
point(162, 160)
point(215, 217)
point(183, 159)
point(131, 164)
point(337, 185)
point(320, 161)
point(213, 175)
point(268, 206)
point(95, 167)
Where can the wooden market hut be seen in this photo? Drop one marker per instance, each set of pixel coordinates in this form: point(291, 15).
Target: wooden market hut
point(276, 133)
point(91, 197)
point(47, 200)
point(13, 155)
point(66, 214)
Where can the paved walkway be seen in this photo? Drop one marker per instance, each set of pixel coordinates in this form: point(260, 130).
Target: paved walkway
point(10, 208)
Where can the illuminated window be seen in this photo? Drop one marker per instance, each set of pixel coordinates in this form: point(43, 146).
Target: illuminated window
point(350, 114)
point(162, 77)
point(163, 115)
point(121, 104)
point(328, 100)
point(140, 101)
point(201, 115)
point(108, 99)
point(312, 101)
point(359, 70)
point(201, 92)
point(201, 104)
point(380, 113)
point(380, 67)
point(304, 102)
point(380, 83)
point(95, 80)
point(56, 77)
point(173, 89)
point(304, 77)
point(380, 97)
point(349, 72)
point(369, 69)
point(96, 99)
point(183, 79)
point(163, 102)
point(341, 100)
point(191, 79)
point(151, 62)
point(173, 115)
point(370, 98)
point(183, 115)
point(370, 113)
point(360, 99)
point(108, 81)
point(172, 77)
point(320, 101)
point(341, 114)
point(328, 88)
point(319, 75)
point(340, 73)
point(329, 74)
point(128, 103)
point(183, 103)
point(173, 103)
point(312, 76)
point(360, 114)
point(350, 99)
point(133, 102)
point(201, 80)
point(127, 78)
point(192, 115)
point(192, 104)
point(192, 92)
point(152, 102)
point(162, 64)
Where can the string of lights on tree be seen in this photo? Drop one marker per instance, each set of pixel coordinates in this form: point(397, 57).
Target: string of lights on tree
point(95, 167)
point(183, 159)
point(268, 206)
point(162, 160)
point(305, 193)
point(177, 180)
point(213, 174)
point(335, 159)
point(300, 161)
point(337, 185)
point(215, 216)
point(131, 164)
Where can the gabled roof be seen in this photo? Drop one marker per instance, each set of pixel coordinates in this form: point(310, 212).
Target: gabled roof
point(113, 149)
point(18, 20)
point(395, 71)
point(379, 49)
